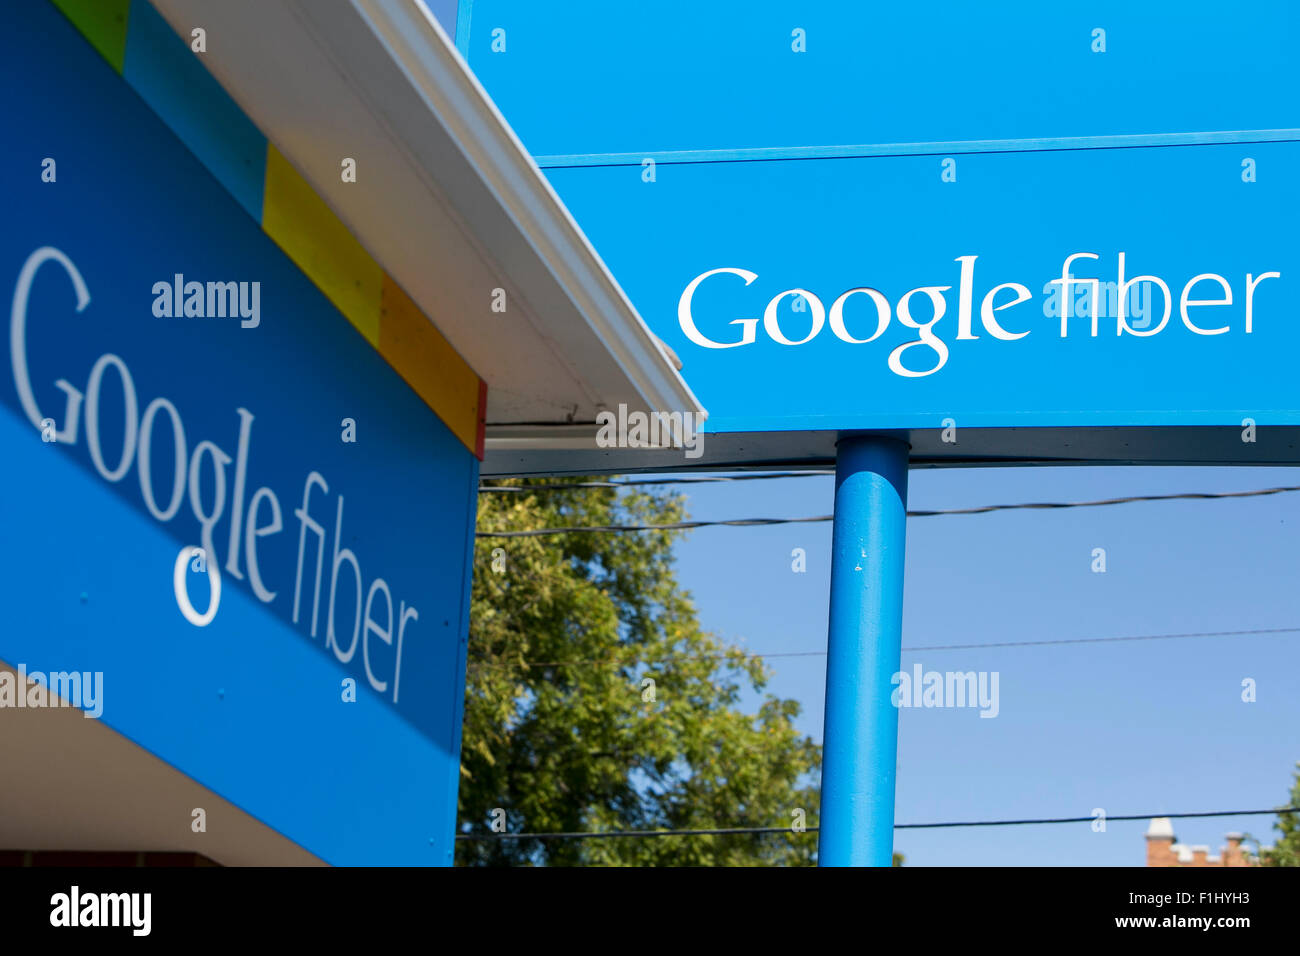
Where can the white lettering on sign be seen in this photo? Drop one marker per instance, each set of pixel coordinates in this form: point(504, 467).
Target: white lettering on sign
point(202, 475)
point(928, 352)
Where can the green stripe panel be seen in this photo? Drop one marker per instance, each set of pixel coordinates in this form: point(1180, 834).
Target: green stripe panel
point(103, 23)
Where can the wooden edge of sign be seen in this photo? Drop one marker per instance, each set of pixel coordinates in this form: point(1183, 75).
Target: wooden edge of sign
point(414, 347)
point(320, 245)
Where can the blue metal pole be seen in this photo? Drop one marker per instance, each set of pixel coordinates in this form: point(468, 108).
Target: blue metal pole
point(860, 741)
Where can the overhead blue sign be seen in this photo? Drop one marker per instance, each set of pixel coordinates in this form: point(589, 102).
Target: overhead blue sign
point(768, 74)
point(215, 492)
point(856, 260)
point(1085, 287)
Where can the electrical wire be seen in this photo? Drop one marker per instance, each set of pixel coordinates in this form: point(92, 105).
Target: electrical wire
point(753, 522)
point(917, 649)
point(729, 831)
point(983, 509)
point(694, 479)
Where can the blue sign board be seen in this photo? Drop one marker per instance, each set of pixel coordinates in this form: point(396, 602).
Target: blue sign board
point(857, 216)
point(924, 299)
point(214, 491)
point(585, 78)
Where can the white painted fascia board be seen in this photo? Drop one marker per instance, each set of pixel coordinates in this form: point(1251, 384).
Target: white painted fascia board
point(521, 450)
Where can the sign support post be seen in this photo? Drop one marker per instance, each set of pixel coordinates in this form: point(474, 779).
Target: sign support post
point(860, 740)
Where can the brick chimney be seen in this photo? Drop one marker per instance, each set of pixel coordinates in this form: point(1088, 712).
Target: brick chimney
point(1233, 855)
point(1160, 842)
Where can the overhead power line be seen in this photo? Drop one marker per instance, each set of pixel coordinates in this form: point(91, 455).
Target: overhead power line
point(691, 480)
point(616, 662)
point(1109, 640)
point(675, 526)
point(983, 509)
point(729, 831)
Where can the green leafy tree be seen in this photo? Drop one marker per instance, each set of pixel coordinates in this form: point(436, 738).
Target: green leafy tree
point(595, 702)
point(1286, 850)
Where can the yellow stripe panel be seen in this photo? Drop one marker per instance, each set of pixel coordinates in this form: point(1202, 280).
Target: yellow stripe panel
point(321, 246)
point(411, 344)
point(318, 242)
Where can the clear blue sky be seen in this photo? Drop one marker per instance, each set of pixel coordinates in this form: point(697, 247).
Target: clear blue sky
point(1130, 727)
